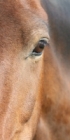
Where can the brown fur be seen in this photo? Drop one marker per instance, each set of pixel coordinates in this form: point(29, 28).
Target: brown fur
point(20, 77)
point(56, 92)
point(34, 93)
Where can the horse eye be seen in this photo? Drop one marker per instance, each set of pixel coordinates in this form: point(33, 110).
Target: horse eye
point(40, 47)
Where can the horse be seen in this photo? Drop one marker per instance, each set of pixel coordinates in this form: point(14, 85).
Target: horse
point(23, 37)
point(55, 114)
point(34, 70)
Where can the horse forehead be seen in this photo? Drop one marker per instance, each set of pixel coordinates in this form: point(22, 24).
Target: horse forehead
point(24, 6)
point(30, 3)
point(26, 15)
point(33, 5)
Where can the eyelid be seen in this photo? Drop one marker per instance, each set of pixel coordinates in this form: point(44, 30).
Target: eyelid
point(45, 39)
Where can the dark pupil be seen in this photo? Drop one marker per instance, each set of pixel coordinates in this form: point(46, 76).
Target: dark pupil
point(40, 46)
